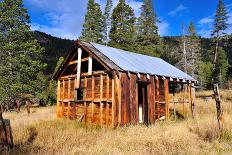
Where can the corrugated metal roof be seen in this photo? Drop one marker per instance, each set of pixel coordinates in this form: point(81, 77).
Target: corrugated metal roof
point(139, 63)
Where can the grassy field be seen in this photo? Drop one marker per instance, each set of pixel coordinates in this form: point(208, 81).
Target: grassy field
point(41, 133)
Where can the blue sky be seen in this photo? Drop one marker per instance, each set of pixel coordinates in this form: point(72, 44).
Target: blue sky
point(64, 18)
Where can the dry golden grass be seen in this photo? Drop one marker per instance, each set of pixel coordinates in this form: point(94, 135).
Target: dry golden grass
point(41, 133)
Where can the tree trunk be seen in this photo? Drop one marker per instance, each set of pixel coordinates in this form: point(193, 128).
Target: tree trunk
point(220, 114)
point(4, 127)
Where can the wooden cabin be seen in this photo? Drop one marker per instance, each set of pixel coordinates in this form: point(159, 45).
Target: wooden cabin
point(110, 87)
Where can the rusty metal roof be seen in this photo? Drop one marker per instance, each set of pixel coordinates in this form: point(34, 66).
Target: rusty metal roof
point(139, 63)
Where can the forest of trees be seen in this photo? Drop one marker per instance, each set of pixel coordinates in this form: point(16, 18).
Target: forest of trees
point(29, 59)
point(119, 28)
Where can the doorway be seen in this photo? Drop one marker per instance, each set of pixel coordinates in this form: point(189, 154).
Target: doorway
point(142, 103)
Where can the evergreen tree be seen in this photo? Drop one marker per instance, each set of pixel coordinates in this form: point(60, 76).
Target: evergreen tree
point(148, 40)
point(205, 74)
point(220, 25)
point(107, 20)
point(147, 29)
point(193, 50)
point(93, 25)
point(123, 30)
point(20, 53)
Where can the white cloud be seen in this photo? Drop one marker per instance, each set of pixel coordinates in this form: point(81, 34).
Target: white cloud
point(163, 28)
point(206, 20)
point(205, 25)
point(66, 17)
point(177, 10)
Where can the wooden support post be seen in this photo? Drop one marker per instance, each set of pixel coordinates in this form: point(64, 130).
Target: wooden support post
point(85, 88)
point(193, 98)
point(92, 99)
point(158, 98)
point(58, 99)
point(90, 64)
point(190, 98)
point(119, 99)
point(85, 112)
point(107, 113)
point(107, 87)
point(136, 104)
point(167, 99)
point(79, 67)
point(101, 95)
point(113, 107)
point(69, 107)
point(63, 98)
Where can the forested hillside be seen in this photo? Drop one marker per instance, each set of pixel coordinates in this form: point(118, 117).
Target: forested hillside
point(54, 49)
point(57, 47)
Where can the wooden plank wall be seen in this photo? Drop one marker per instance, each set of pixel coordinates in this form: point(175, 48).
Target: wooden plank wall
point(114, 100)
point(96, 106)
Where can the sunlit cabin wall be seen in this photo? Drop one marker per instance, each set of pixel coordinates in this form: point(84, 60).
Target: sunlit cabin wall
point(126, 98)
point(96, 105)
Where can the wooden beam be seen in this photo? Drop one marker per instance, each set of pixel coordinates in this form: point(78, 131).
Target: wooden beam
point(58, 99)
point(101, 104)
point(167, 99)
point(193, 97)
point(113, 107)
point(79, 67)
point(92, 99)
point(90, 64)
point(107, 113)
point(76, 61)
point(63, 83)
point(136, 103)
point(119, 99)
point(85, 88)
point(158, 98)
point(107, 86)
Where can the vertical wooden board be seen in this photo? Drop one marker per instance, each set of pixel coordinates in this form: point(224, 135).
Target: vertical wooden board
point(116, 104)
point(72, 89)
point(101, 97)
point(107, 87)
point(123, 98)
point(132, 99)
point(107, 113)
point(79, 67)
point(85, 88)
point(69, 88)
point(167, 100)
point(89, 88)
point(137, 103)
point(110, 88)
point(133, 92)
point(90, 65)
point(97, 87)
point(113, 107)
point(151, 97)
point(128, 109)
point(158, 99)
point(57, 99)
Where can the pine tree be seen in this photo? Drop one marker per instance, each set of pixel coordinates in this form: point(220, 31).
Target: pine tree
point(123, 31)
point(93, 25)
point(20, 53)
point(220, 25)
point(147, 28)
point(148, 39)
point(107, 20)
point(193, 50)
